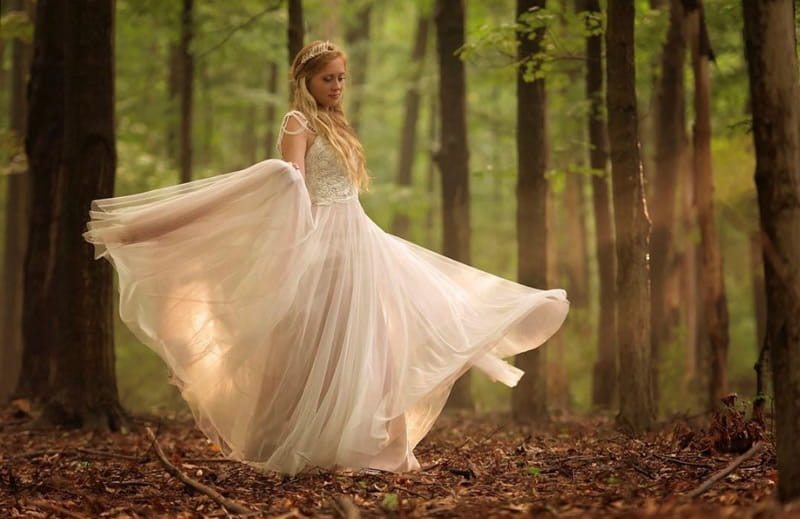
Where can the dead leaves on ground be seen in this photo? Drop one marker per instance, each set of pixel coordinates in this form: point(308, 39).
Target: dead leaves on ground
point(486, 466)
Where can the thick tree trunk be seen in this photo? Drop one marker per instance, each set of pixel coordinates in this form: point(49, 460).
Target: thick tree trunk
point(43, 145)
point(295, 30)
point(529, 397)
point(272, 89)
point(575, 258)
point(186, 57)
point(16, 222)
point(604, 380)
point(770, 43)
point(631, 223)
point(83, 390)
point(357, 38)
point(711, 278)
point(405, 162)
point(453, 157)
point(670, 157)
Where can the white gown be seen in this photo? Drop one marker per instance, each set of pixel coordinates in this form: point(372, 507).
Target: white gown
point(299, 332)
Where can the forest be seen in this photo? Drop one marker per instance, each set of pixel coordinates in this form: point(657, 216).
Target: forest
point(644, 155)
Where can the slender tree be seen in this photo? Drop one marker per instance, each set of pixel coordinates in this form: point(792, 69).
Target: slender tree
point(295, 30)
point(186, 59)
point(529, 397)
point(670, 156)
point(405, 161)
point(631, 222)
point(453, 156)
point(771, 47)
point(272, 90)
point(16, 220)
point(604, 381)
point(357, 38)
point(43, 146)
point(83, 391)
point(715, 303)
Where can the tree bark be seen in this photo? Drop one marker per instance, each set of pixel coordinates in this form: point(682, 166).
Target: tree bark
point(43, 146)
point(405, 163)
point(711, 277)
point(295, 30)
point(453, 156)
point(631, 222)
point(83, 390)
point(17, 212)
point(575, 260)
point(357, 38)
point(604, 380)
point(529, 397)
point(187, 88)
point(770, 45)
point(670, 156)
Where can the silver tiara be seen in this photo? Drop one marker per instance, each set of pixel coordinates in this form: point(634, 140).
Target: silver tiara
point(316, 50)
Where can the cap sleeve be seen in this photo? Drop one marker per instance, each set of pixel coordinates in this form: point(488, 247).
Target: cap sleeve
point(301, 120)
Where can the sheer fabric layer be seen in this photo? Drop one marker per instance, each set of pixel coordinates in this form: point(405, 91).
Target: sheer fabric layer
point(301, 333)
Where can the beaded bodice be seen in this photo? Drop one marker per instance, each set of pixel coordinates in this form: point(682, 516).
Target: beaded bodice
point(326, 177)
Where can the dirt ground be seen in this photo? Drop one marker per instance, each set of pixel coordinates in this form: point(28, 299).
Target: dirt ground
point(484, 466)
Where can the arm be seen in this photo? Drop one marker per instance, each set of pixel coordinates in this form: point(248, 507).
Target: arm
point(293, 142)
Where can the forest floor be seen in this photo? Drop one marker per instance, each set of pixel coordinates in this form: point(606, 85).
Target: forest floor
point(472, 466)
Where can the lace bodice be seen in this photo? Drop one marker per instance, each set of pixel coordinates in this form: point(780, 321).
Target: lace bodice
point(326, 177)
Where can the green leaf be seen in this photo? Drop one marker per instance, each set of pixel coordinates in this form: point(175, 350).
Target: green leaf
point(390, 502)
point(534, 471)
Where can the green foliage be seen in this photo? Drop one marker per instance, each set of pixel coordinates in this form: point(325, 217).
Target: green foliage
point(16, 24)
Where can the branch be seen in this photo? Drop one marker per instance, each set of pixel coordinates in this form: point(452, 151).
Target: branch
point(235, 28)
point(727, 470)
point(210, 492)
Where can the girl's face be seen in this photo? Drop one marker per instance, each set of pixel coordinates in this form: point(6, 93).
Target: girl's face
point(327, 85)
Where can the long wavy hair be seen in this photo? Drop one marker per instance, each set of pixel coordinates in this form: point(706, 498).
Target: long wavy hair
point(327, 122)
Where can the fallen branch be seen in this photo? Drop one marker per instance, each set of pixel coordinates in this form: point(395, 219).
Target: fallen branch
point(228, 504)
point(727, 470)
point(90, 452)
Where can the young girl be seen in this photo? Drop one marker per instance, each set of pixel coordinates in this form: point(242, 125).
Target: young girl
point(299, 332)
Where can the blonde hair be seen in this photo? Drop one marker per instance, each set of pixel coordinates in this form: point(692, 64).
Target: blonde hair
point(327, 122)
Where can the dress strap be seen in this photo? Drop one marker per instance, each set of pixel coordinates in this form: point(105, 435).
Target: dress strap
point(301, 120)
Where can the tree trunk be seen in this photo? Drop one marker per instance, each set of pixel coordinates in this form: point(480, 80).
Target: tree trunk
point(529, 397)
point(173, 95)
point(631, 222)
point(357, 38)
point(575, 257)
point(453, 156)
point(43, 145)
point(187, 88)
point(711, 277)
point(83, 389)
point(295, 29)
point(272, 89)
point(604, 381)
point(405, 163)
point(770, 44)
point(759, 290)
point(17, 212)
point(670, 150)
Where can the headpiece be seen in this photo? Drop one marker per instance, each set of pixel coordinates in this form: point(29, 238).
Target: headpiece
point(316, 50)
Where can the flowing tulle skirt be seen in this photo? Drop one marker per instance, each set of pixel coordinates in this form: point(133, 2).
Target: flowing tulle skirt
point(303, 334)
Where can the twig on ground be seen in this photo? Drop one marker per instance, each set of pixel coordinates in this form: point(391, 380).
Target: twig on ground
point(90, 452)
point(727, 470)
point(109, 454)
point(205, 489)
point(682, 462)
